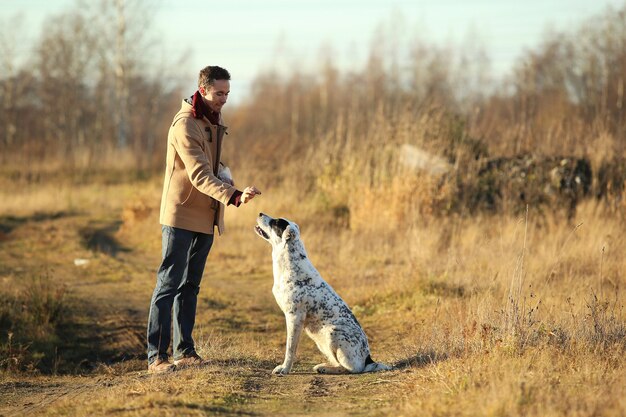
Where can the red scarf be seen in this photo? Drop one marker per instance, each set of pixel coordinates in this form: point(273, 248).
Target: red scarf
point(199, 109)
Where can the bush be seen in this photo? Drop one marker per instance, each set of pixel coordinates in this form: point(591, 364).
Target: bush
point(30, 319)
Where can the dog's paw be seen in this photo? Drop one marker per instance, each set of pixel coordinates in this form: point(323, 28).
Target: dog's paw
point(281, 370)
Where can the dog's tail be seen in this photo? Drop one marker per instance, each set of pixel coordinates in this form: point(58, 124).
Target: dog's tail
point(371, 366)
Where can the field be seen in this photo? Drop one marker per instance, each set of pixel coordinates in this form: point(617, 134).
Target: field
point(475, 226)
point(493, 315)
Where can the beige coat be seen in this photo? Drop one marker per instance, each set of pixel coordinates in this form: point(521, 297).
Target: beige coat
point(194, 197)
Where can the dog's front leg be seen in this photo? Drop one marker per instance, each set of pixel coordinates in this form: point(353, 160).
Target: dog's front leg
point(295, 322)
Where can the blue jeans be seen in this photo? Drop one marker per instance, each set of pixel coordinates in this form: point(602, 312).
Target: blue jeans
point(177, 287)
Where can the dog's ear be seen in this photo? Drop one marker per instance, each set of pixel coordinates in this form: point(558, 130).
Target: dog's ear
point(290, 233)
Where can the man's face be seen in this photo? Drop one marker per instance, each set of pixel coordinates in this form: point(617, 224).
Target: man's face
point(215, 95)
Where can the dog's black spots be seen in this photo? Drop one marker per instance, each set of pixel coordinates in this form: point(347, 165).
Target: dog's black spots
point(279, 226)
point(303, 282)
point(345, 310)
point(364, 345)
point(310, 303)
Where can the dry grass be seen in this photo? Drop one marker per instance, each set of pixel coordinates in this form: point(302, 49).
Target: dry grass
point(496, 315)
point(501, 314)
point(514, 313)
point(493, 315)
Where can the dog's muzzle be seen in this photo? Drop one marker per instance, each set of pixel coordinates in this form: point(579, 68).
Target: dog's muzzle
point(260, 232)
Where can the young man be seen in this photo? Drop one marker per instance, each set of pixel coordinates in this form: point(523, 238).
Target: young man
point(196, 189)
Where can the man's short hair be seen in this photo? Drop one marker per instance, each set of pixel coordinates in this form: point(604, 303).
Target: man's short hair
point(209, 74)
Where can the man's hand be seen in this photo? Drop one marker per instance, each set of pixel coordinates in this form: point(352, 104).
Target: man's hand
point(249, 193)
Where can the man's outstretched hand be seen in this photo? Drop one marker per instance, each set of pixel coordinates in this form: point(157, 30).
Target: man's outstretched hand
point(249, 193)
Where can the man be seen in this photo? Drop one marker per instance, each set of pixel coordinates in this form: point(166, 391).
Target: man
point(196, 189)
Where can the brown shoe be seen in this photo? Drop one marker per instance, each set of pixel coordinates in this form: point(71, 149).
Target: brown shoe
point(193, 359)
point(161, 366)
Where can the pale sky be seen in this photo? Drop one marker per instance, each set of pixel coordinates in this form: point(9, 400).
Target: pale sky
point(248, 36)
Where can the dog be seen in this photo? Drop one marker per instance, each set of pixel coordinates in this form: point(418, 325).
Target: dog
point(309, 303)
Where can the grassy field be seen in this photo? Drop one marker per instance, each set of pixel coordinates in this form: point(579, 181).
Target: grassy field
point(493, 315)
point(475, 227)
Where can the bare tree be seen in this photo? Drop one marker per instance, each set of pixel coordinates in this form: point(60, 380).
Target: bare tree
point(8, 67)
point(82, 90)
point(121, 76)
point(64, 65)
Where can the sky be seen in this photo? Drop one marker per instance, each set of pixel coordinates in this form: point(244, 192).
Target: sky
point(250, 36)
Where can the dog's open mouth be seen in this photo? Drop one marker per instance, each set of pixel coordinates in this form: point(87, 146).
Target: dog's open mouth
point(260, 232)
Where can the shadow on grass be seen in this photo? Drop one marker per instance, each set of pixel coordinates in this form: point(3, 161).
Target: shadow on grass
point(421, 359)
point(101, 337)
point(254, 364)
point(9, 223)
point(60, 335)
point(99, 238)
point(194, 408)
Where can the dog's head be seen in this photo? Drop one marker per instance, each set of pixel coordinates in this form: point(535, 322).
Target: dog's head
point(276, 231)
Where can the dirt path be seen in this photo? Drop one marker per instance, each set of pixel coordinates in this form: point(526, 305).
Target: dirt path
point(105, 330)
point(31, 396)
point(102, 356)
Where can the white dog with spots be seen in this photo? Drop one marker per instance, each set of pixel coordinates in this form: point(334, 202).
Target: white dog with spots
point(311, 304)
